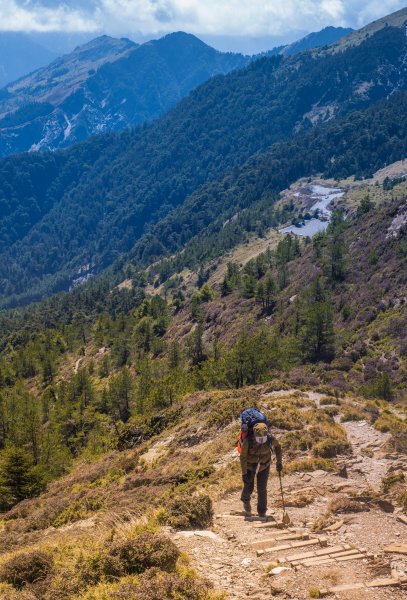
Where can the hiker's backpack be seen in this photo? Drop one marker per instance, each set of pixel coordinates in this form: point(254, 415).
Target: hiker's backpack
point(249, 417)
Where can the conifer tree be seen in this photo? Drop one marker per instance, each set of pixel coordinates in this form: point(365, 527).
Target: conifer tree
point(318, 332)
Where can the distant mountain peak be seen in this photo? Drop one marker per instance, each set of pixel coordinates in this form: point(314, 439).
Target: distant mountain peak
point(396, 19)
point(181, 37)
point(104, 44)
point(316, 39)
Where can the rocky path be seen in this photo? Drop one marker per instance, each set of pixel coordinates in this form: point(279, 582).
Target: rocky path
point(356, 550)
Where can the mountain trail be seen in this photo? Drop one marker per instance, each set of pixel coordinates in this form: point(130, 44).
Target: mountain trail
point(348, 553)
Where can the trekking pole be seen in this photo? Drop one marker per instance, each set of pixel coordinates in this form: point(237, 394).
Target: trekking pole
point(286, 518)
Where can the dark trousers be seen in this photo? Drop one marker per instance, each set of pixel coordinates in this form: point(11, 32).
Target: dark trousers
point(248, 487)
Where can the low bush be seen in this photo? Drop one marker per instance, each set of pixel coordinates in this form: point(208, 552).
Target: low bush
point(157, 585)
point(145, 551)
point(304, 465)
point(13, 594)
point(330, 448)
point(402, 499)
point(390, 422)
point(389, 482)
point(79, 509)
point(28, 567)
point(226, 412)
point(194, 512)
point(287, 418)
point(351, 413)
point(331, 411)
point(398, 442)
point(99, 566)
point(346, 505)
point(327, 400)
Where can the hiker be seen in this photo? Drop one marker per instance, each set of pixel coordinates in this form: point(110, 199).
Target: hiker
point(256, 448)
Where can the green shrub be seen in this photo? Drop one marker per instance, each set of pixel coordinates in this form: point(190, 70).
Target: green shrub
point(331, 411)
point(28, 567)
point(287, 418)
point(352, 414)
point(390, 422)
point(78, 509)
point(226, 412)
point(381, 387)
point(99, 566)
point(402, 499)
point(398, 442)
point(156, 585)
point(190, 512)
point(391, 481)
point(326, 400)
point(145, 551)
point(330, 448)
point(305, 465)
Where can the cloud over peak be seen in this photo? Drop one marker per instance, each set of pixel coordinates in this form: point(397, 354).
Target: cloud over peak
point(210, 17)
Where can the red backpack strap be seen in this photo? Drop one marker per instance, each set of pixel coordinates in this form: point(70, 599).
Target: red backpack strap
point(242, 435)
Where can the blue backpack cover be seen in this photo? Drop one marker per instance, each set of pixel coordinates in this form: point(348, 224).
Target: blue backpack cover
point(251, 416)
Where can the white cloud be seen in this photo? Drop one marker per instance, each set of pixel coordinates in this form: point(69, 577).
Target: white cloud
point(211, 17)
point(30, 16)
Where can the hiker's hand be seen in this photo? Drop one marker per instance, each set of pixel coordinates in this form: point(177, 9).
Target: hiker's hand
point(279, 467)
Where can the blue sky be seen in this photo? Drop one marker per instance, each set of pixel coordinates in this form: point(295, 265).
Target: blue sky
point(209, 19)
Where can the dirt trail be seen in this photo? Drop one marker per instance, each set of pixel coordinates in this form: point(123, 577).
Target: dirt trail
point(227, 557)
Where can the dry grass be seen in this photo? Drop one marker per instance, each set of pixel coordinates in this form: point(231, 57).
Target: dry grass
point(305, 465)
point(346, 505)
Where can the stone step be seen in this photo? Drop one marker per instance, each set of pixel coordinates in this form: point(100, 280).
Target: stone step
point(260, 545)
point(292, 545)
point(374, 583)
point(396, 549)
point(271, 525)
point(315, 553)
point(327, 556)
point(317, 559)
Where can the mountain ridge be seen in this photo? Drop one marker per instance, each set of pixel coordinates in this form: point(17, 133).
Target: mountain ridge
point(103, 85)
point(165, 153)
point(83, 94)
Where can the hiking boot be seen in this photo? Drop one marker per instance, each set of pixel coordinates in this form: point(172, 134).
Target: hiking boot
point(247, 507)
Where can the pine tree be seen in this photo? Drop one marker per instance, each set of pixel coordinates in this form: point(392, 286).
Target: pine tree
point(174, 356)
point(196, 345)
point(260, 295)
point(269, 291)
point(318, 332)
point(249, 286)
point(121, 394)
point(18, 480)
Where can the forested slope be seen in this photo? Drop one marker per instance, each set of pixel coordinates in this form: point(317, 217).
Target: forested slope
point(139, 176)
point(105, 85)
point(358, 144)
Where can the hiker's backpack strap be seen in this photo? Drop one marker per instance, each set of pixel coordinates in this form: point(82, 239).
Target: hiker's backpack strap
point(242, 436)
